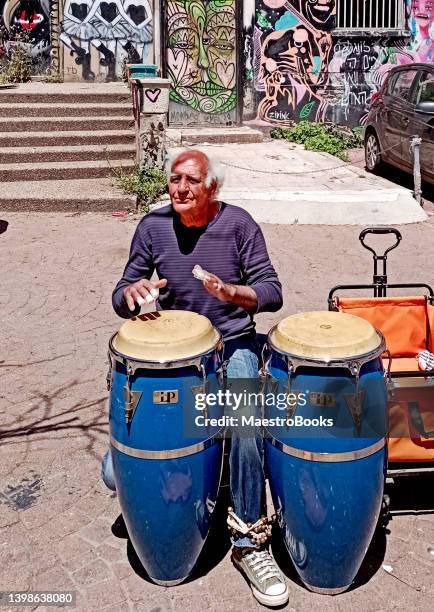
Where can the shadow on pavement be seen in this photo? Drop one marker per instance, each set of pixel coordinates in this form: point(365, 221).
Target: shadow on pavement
point(412, 495)
point(44, 417)
point(406, 180)
point(3, 226)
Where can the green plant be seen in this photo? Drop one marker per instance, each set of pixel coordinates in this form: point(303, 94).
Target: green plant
point(17, 67)
point(55, 77)
point(331, 139)
point(148, 184)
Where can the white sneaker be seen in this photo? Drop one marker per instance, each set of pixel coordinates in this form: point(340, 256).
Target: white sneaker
point(266, 580)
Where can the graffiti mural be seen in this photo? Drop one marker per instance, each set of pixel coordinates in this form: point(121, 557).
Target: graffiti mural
point(292, 58)
point(201, 60)
point(26, 23)
point(102, 36)
point(421, 23)
point(302, 73)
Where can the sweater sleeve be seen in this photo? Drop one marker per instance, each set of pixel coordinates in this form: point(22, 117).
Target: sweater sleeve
point(259, 272)
point(140, 265)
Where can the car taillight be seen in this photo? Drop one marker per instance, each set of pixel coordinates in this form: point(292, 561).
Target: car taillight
point(375, 96)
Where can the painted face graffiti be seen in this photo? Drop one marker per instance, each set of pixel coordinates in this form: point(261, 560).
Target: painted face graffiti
point(320, 13)
point(30, 17)
point(201, 54)
point(291, 62)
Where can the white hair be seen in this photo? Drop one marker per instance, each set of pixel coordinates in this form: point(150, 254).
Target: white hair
point(215, 173)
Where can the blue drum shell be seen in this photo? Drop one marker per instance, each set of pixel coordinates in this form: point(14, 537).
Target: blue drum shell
point(166, 502)
point(327, 510)
point(344, 435)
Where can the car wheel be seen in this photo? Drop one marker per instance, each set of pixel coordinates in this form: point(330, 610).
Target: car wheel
point(372, 152)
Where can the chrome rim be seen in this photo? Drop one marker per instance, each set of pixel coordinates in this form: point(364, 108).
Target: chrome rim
point(372, 152)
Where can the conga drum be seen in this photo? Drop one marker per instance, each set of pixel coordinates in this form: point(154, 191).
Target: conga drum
point(166, 469)
point(325, 446)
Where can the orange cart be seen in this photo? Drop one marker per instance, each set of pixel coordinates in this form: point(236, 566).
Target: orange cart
point(408, 326)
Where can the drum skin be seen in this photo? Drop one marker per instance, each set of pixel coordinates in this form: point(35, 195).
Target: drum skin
point(328, 510)
point(166, 502)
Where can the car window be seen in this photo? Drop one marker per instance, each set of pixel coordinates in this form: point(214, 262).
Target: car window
point(390, 84)
point(401, 86)
point(425, 88)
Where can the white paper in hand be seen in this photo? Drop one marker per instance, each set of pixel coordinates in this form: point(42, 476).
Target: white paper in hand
point(200, 273)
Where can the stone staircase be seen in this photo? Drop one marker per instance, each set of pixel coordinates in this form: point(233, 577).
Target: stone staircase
point(60, 145)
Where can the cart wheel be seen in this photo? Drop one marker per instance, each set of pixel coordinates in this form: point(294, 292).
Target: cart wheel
point(373, 159)
point(385, 511)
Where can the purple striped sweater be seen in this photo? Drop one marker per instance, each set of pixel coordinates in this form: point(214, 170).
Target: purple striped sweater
point(231, 246)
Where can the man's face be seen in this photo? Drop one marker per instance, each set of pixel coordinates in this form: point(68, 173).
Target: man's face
point(187, 189)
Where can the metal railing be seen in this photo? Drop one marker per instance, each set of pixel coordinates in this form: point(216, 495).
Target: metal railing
point(370, 14)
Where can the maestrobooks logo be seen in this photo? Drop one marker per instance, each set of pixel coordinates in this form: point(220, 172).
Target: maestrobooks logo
point(253, 407)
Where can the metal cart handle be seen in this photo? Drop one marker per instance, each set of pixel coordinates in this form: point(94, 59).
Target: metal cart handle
point(380, 230)
point(380, 279)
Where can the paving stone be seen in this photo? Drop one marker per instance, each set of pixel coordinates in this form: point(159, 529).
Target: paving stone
point(227, 586)
point(16, 571)
point(52, 579)
point(111, 554)
point(138, 589)
point(122, 570)
point(66, 523)
point(105, 594)
point(75, 552)
point(93, 573)
point(97, 531)
point(161, 603)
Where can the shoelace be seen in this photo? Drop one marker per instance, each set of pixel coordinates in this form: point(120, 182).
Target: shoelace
point(263, 565)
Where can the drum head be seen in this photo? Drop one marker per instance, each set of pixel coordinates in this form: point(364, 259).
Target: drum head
point(166, 335)
point(325, 336)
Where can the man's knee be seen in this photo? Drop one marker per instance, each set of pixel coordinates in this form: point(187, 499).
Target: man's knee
point(107, 472)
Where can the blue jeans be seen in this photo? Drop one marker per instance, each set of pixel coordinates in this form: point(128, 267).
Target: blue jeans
point(246, 458)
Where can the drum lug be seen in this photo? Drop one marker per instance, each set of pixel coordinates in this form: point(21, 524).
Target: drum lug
point(202, 388)
point(109, 373)
point(355, 402)
point(265, 358)
point(290, 410)
point(132, 398)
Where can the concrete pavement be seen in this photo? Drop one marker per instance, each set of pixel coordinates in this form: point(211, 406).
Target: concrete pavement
point(280, 182)
point(58, 523)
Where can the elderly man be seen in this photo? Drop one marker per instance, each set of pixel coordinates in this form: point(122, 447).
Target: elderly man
point(197, 229)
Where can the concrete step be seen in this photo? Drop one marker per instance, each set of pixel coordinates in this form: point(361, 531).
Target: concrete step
point(215, 135)
point(39, 124)
point(97, 194)
point(16, 155)
point(66, 138)
point(61, 170)
point(57, 93)
point(14, 96)
point(79, 109)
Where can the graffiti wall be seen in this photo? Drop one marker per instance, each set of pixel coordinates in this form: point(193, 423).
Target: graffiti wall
point(302, 70)
point(26, 23)
point(100, 37)
point(201, 61)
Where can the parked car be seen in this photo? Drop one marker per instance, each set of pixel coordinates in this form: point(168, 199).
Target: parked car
point(401, 109)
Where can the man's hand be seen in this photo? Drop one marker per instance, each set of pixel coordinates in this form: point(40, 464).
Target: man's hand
point(242, 296)
point(216, 287)
point(142, 289)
